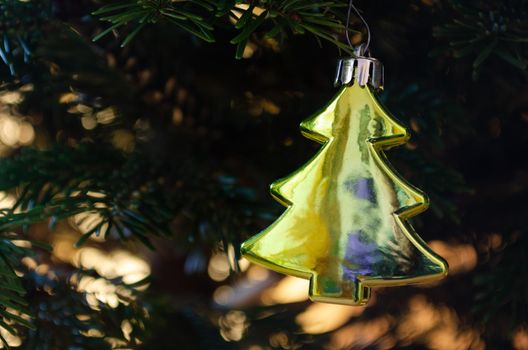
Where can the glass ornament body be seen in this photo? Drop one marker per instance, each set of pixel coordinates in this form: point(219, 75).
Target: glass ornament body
point(345, 227)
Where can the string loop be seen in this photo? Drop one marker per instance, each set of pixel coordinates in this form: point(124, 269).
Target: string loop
point(365, 48)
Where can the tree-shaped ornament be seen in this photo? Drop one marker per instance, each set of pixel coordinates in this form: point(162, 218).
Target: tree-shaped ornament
point(345, 227)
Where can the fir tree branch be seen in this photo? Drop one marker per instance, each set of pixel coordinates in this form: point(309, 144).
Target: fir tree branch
point(60, 183)
point(322, 19)
point(14, 308)
point(485, 29)
point(77, 313)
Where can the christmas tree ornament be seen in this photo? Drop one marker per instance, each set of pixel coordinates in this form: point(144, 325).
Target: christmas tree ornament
point(346, 224)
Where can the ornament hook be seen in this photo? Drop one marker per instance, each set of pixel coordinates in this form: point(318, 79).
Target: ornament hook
point(361, 68)
point(363, 48)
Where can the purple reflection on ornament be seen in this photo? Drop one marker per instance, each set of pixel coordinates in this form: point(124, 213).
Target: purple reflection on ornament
point(360, 256)
point(361, 188)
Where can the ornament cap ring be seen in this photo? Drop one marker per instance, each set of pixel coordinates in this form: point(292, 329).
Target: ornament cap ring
point(359, 69)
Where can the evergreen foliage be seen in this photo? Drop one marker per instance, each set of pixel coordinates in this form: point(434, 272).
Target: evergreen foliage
point(159, 124)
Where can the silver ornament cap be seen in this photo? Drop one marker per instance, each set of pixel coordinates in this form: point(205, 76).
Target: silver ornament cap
point(359, 69)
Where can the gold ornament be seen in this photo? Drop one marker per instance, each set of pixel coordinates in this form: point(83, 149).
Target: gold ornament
point(345, 227)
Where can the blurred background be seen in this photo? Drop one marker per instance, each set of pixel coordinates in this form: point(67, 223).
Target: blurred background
point(134, 166)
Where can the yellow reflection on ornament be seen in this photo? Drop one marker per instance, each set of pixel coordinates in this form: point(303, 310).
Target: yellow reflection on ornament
point(345, 227)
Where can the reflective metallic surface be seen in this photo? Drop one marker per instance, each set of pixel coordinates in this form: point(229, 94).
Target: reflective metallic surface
point(345, 225)
point(359, 70)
